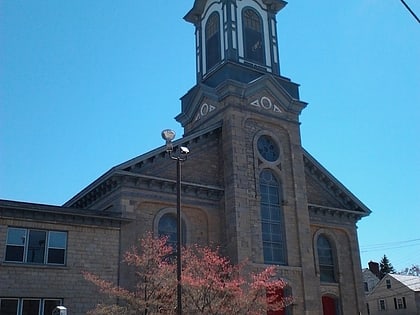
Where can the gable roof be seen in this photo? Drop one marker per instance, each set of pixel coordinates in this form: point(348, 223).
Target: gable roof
point(335, 187)
point(106, 182)
point(411, 282)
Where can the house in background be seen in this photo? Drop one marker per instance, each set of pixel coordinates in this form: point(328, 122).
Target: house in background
point(396, 295)
point(370, 276)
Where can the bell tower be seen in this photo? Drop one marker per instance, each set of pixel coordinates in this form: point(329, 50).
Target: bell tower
point(259, 160)
point(242, 32)
point(236, 42)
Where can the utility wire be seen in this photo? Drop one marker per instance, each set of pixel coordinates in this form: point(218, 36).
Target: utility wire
point(390, 245)
point(411, 11)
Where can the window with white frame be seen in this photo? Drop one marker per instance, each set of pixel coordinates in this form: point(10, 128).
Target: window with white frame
point(26, 306)
point(36, 246)
point(382, 305)
point(400, 303)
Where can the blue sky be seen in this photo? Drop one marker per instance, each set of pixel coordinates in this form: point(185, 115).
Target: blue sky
point(88, 84)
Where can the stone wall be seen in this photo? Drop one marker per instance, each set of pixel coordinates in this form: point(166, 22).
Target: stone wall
point(89, 248)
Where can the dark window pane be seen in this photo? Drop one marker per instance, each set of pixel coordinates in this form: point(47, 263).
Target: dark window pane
point(325, 260)
point(253, 39)
point(167, 226)
point(268, 256)
point(272, 223)
point(56, 256)
point(213, 54)
point(57, 239)
point(276, 237)
point(16, 236)
point(50, 305)
point(327, 274)
point(36, 246)
point(14, 253)
point(275, 214)
point(265, 212)
point(268, 148)
point(8, 306)
point(277, 253)
point(30, 307)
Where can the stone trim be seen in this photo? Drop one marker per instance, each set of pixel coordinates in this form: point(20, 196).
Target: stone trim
point(335, 212)
point(56, 214)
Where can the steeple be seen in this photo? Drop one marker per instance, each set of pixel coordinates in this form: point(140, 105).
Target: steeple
point(237, 59)
point(241, 32)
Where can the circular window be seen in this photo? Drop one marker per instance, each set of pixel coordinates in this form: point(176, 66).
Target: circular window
point(268, 148)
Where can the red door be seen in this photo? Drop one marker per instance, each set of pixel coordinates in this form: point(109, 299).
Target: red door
point(328, 305)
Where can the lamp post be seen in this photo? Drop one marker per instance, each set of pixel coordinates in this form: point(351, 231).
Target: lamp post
point(168, 135)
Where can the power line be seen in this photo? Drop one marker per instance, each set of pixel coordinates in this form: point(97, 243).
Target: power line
point(390, 245)
point(411, 11)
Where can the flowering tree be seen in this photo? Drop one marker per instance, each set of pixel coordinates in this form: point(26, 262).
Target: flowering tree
point(210, 284)
point(155, 281)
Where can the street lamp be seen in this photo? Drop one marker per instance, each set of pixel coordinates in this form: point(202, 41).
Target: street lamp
point(168, 135)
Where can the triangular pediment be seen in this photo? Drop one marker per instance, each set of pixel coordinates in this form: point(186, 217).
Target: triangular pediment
point(155, 170)
point(325, 192)
point(266, 94)
point(269, 94)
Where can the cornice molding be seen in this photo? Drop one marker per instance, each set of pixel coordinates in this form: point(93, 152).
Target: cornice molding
point(127, 179)
point(57, 214)
point(335, 212)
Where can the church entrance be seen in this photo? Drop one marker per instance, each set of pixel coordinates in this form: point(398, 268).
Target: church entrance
point(329, 305)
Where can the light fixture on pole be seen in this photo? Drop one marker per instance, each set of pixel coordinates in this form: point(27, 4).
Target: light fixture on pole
point(168, 135)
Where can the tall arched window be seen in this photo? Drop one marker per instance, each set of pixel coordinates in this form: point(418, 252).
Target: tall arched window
point(253, 36)
point(326, 260)
point(167, 227)
point(274, 245)
point(213, 54)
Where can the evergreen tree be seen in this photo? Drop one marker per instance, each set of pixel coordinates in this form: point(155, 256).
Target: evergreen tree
point(385, 267)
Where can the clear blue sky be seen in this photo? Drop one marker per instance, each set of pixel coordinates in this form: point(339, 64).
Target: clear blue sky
point(88, 84)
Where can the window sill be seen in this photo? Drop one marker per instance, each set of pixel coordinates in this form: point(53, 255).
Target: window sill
point(28, 265)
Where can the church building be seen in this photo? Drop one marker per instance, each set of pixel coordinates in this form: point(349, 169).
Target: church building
point(248, 185)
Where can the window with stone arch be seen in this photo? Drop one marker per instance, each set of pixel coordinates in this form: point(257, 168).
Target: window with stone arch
point(325, 259)
point(272, 222)
point(167, 226)
point(212, 34)
point(253, 36)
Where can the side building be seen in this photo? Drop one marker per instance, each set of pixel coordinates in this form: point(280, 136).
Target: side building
point(44, 252)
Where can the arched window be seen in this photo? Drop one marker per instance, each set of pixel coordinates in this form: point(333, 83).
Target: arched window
point(253, 36)
point(167, 227)
point(213, 54)
point(274, 245)
point(326, 260)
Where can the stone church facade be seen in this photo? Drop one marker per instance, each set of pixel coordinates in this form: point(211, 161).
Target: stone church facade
point(248, 185)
